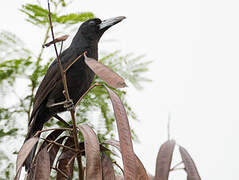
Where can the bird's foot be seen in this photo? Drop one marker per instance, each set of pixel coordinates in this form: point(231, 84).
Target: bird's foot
point(69, 105)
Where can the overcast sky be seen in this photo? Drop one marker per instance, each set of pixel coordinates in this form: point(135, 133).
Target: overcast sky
point(194, 45)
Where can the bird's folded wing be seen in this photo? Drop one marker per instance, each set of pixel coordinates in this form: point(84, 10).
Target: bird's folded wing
point(46, 86)
point(52, 76)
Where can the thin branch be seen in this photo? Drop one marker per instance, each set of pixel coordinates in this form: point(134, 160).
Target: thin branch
point(72, 158)
point(118, 166)
point(59, 39)
point(176, 169)
point(176, 165)
point(68, 67)
point(66, 93)
point(57, 55)
point(52, 129)
point(91, 87)
point(61, 145)
point(60, 171)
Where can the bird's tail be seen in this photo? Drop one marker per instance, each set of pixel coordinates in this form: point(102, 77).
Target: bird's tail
point(36, 125)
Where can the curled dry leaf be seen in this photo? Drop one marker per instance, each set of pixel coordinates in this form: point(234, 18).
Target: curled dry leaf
point(151, 177)
point(30, 175)
point(42, 170)
point(18, 174)
point(54, 150)
point(119, 178)
point(141, 173)
point(107, 167)
point(126, 145)
point(24, 151)
point(92, 153)
point(66, 161)
point(113, 142)
point(164, 160)
point(102, 149)
point(190, 166)
point(105, 73)
point(59, 39)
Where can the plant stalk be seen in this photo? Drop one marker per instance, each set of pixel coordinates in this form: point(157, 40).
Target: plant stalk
point(66, 93)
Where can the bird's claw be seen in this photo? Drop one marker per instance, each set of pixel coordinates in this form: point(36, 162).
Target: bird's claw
point(69, 105)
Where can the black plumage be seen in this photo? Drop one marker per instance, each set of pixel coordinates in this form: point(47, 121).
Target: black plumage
point(79, 76)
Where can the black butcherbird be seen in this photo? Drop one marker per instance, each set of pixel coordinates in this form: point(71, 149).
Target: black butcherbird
point(79, 76)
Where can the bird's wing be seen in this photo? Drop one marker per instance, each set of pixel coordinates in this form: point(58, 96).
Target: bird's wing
point(52, 76)
point(46, 86)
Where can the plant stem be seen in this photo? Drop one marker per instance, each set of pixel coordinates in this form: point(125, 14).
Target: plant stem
point(52, 129)
point(66, 93)
point(60, 145)
point(176, 165)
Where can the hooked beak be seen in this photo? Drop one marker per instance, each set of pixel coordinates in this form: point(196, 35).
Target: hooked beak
point(110, 22)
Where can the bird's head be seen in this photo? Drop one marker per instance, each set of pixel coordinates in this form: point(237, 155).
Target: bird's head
point(93, 29)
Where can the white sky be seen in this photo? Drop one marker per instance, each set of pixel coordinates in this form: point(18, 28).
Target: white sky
point(194, 45)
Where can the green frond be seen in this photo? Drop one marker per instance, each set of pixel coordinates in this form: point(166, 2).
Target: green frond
point(130, 67)
point(36, 14)
point(74, 18)
point(11, 68)
point(39, 16)
point(12, 47)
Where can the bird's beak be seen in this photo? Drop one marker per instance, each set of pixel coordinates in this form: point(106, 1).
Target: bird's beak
point(110, 22)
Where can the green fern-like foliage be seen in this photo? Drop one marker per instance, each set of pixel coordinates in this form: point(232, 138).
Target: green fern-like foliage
point(39, 16)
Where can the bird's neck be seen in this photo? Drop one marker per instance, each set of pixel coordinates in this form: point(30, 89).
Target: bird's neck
point(81, 41)
point(82, 44)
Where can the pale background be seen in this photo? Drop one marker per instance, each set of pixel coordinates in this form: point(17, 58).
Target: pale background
point(194, 45)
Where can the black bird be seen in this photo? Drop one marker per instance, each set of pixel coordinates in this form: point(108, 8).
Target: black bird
point(79, 76)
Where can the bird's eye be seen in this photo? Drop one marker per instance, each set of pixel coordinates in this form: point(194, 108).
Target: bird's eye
point(92, 23)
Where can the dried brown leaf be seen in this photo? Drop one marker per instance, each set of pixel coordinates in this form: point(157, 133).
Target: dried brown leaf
point(119, 178)
point(141, 173)
point(190, 166)
point(126, 145)
point(18, 174)
point(113, 142)
point(150, 177)
point(65, 161)
point(102, 149)
point(105, 73)
point(24, 151)
point(107, 168)
point(52, 152)
point(164, 160)
point(92, 153)
point(31, 174)
point(59, 39)
point(42, 170)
